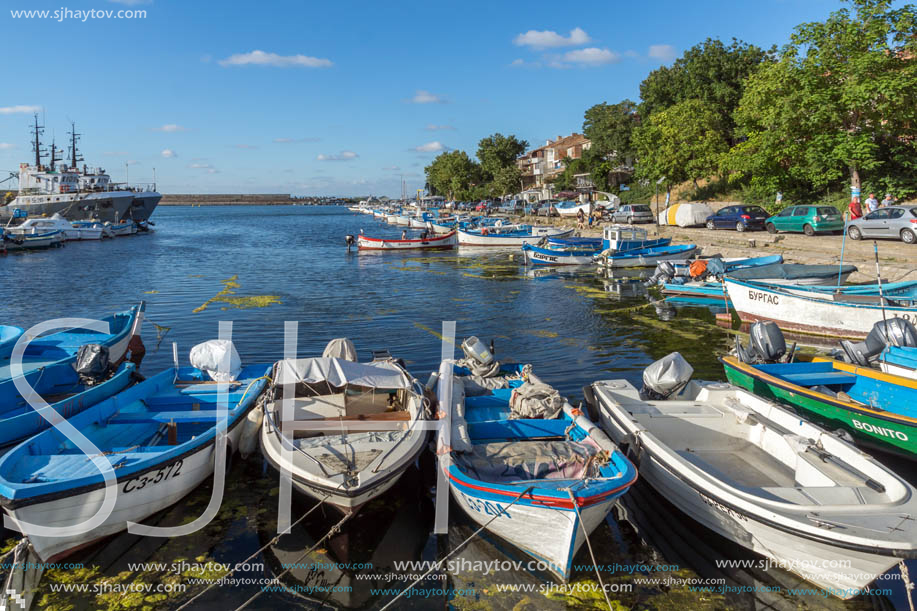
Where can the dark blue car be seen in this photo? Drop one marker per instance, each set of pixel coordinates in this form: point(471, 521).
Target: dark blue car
point(740, 218)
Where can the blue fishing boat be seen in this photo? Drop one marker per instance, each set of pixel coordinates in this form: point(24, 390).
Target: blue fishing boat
point(620, 238)
point(62, 347)
point(535, 255)
point(525, 464)
point(158, 437)
point(575, 243)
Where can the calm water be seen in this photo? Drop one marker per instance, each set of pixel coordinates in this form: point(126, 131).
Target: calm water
point(261, 266)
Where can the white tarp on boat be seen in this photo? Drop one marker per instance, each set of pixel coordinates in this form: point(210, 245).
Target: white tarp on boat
point(340, 372)
point(693, 214)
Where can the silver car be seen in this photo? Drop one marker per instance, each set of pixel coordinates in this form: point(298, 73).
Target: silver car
point(899, 222)
point(632, 213)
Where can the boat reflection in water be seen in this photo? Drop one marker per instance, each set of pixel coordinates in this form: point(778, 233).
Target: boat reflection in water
point(389, 529)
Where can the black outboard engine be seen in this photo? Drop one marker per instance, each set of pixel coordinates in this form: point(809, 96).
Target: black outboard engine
point(885, 333)
point(665, 377)
point(92, 364)
point(665, 272)
point(350, 241)
point(766, 344)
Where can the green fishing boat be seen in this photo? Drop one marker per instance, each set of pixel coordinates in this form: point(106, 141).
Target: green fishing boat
point(878, 409)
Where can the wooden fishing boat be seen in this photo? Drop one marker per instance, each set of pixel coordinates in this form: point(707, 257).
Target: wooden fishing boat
point(535, 255)
point(158, 437)
point(352, 431)
point(541, 483)
point(32, 241)
point(574, 243)
point(819, 312)
point(878, 409)
point(645, 257)
point(571, 208)
point(443, 242)
point(619, 238)
point(766, 479)
point(499, 236)
point(62, 347)
point(899, 361)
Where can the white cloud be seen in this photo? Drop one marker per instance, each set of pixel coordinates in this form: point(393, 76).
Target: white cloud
point(425, 97)
point(260, 58)
point(342, 156)
point(5, 146)
point(548, 38)
point(292, 140)
point(213, 171)
point(170, 128)
point(432, 128)
point(591, 56)
point(430, 147)
point(664, 53)
point(131, 162)
point(168, 153)
point(9, 110)
point(200, 166)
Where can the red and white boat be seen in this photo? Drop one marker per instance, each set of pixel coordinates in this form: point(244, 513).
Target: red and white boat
point(443, 242)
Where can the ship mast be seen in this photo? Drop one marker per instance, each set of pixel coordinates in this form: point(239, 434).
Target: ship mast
point(74, 155)
point(36, 144)
point(54, 152)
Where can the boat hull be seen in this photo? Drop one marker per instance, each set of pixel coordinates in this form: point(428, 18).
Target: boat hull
point(871, 427)
point(541, 256)
point(649, 259)
point(473, 239)
point(445, 242)
point(816, 315)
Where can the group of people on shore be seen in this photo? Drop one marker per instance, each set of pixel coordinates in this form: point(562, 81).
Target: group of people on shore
point(872, 204)
point(581, 219)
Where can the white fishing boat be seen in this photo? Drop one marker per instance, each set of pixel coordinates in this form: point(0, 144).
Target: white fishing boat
point(762, 477)
point(35, 226)
point(122, 229)
point(813, 311)
point(441, 226)
point(645, 257)
point(569, 209)
point(497, 236)
point(351, 429)
point(30, 241)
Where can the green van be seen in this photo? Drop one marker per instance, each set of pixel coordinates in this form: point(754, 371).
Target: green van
point(806, 219)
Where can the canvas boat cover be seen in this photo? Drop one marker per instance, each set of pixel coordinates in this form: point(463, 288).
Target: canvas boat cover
point(790, 271)
point(340, 372)
point(507, 462)
point(341, 348)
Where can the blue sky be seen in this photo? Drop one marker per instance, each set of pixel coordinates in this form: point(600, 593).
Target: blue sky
point(337, 97)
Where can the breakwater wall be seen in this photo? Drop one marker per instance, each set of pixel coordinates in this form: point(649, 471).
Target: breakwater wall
point(229, 199)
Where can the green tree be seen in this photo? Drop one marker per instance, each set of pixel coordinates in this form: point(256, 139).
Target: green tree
point(506, 181)
point(709, 71)
point(839, 102)
point(610, 128)
point(497, 152)
point(453, 174)
point(684, 142)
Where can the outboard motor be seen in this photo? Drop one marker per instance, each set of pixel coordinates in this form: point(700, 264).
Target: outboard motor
point(665, 377)
point(766, 344)
point(480, 360)
point(885, 333)
point(350, 240)
point(665, 272)
point(92, 363)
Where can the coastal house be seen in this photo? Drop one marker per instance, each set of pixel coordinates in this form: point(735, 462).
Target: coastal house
point(540, 166)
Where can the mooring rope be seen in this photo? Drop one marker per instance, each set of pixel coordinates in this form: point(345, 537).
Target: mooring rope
point(908, 584)
point(257, 552)
point(589, 545)
point(334, 529)
point(457, 548)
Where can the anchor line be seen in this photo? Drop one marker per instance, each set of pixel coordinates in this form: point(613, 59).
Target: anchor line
point(456, 549)
point(589, 545)
point(256, 553)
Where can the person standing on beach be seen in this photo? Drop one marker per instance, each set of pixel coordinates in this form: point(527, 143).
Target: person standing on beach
point(581, 219)
point(856, 211)
point(872, 204)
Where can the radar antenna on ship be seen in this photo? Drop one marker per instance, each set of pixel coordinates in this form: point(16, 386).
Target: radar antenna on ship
point(54, 154)
point(36, 143)
point(75, 156)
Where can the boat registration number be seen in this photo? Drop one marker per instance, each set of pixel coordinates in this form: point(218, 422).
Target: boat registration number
point(485, 507)
point(153, 477)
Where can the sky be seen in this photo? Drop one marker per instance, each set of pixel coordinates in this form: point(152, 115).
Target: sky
point(336, 98)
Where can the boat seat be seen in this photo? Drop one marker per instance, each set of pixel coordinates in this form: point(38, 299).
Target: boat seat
point(818, 378)
point(183, 416)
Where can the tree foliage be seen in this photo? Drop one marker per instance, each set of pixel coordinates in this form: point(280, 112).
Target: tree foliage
point(709, 71)
point(497, 152)
point(610, 128)
point(840, 101)
point(453, 174)
point(684, 142)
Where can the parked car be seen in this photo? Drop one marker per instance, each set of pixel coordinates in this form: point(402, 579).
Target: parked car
point(545, 208)
point(807, 219)
point(740, 218)
point(893, 222)
point(632, 213)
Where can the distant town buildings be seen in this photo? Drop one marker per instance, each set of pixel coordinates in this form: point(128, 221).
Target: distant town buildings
point(541, 165)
